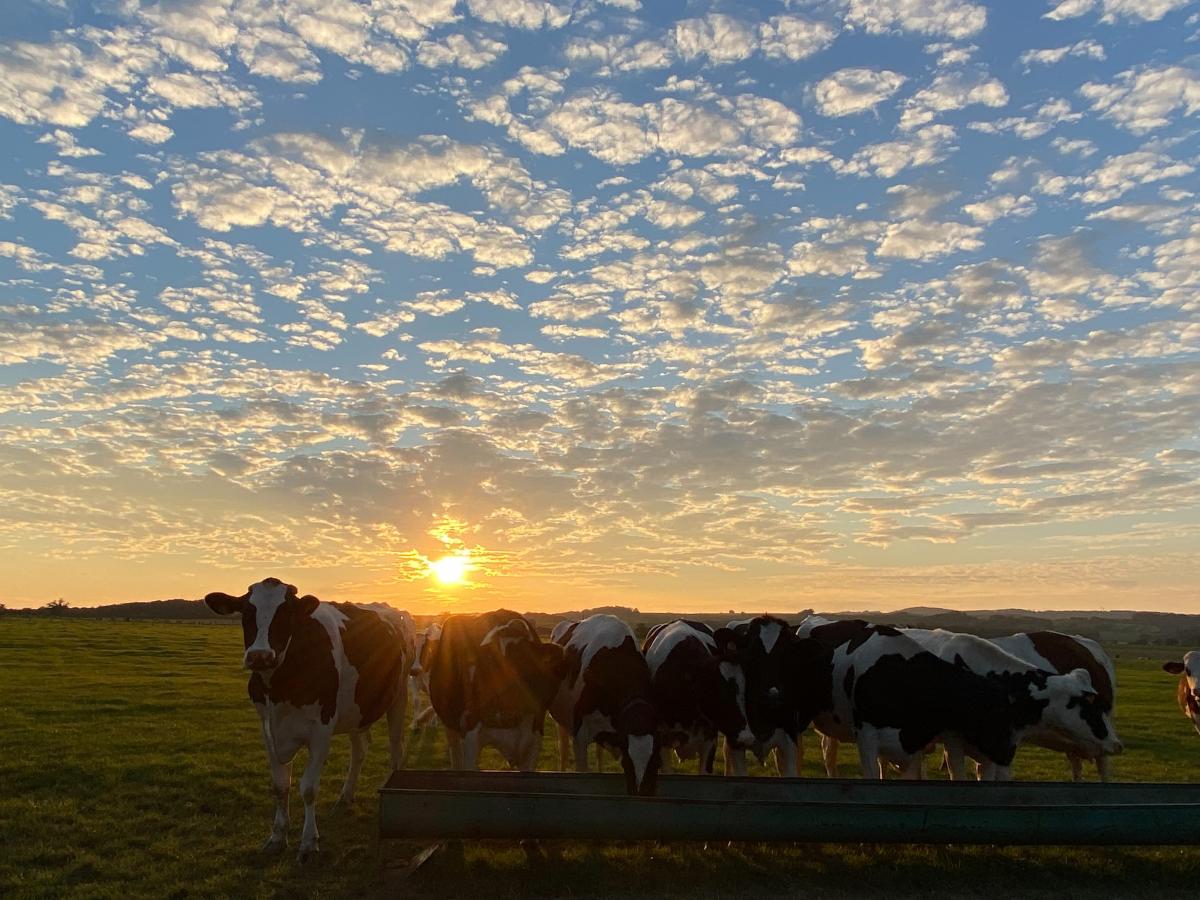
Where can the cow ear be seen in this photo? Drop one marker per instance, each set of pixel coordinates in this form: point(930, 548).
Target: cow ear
point(225, 604)
point(1174, 667)
point(307, 605)
point(728, 643)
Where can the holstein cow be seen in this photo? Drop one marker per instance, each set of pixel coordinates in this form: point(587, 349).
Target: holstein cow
point(491, 679)
point(605, 699)
point(699, 691)
point(1188, 694)
point(1048, 709)
point(1061, 653)
point(893, 698)
point(319, 669)
point(787, 684)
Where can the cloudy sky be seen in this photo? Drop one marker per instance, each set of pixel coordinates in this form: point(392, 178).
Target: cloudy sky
point(681, 305)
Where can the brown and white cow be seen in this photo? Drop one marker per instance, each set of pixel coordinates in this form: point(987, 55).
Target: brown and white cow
point(605, 698)
point(319, 669)
point(491, 680)
point(423, 714)
point(699, 691)
point(1063, 653)
point(1188, 693)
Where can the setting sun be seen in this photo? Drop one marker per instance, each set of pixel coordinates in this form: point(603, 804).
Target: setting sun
point(450, 569)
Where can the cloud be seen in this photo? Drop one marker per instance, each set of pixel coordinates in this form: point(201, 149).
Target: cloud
point(1142, 100)
point(1087, 49)
point(1114, 10)
point(948, 18)
point(925, 146)
point(950, 91)
point(1120, 174)
point(850, 91)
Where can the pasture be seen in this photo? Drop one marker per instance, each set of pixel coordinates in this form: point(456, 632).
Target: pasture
point(131, 765)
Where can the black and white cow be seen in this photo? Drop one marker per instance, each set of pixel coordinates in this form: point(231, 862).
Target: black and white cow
point(1047, 709)
point(699, 691)
point(605, 698)
point(787, 684)
point(1062, 653)
point(894, 698)
point(1188, 692)
point(319, 669)
point(491, 680)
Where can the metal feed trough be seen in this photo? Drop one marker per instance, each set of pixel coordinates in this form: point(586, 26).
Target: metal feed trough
point(439, 805)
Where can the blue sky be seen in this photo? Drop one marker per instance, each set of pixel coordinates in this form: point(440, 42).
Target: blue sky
point(848, 304)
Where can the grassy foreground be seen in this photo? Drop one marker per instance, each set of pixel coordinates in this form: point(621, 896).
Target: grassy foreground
point(131, 766)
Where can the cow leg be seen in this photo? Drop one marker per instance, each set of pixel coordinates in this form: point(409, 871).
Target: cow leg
point(799, 752)
point(564, 743)
point(581, 751)
point(787, 758)
point(359, 742)
point(956, 759)
point(530, 751)
point(914, 767)
point(418, 706)
point(310, 781)
point(281, 787)
point(1076, 762)
point(1104, 767)
point(707, 756)
point(599, 758)
point(454, 744)
point(829, 755)
point(868, 753)
point(471, 748)
point(735, 760)
point(395, 721)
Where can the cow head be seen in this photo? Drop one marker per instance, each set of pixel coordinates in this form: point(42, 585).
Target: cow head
point(270, 611)
point(1077, 714)
point(720, 685)
point(539, 666)
point(1188, 670)
point(787, 677)
point(640, 756)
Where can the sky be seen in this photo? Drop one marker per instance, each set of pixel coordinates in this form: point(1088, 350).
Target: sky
point(852, 304)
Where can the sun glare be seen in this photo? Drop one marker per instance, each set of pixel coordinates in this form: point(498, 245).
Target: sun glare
point(450, 569)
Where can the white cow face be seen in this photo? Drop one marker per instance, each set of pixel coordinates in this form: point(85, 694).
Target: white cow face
point(1076, 712)
point(270, 611)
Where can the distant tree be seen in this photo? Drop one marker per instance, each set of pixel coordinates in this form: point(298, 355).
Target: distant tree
point(56, 607)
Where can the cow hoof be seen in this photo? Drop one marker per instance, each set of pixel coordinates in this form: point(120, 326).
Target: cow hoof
point(342, 805)
point(275, 845)
point(308, 855)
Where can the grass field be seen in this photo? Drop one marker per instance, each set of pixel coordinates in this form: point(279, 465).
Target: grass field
point(131, 766)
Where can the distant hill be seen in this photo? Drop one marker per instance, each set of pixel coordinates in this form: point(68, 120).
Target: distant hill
point(1124, 627)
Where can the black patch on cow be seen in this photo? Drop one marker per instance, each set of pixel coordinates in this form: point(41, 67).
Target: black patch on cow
point(848, 682)
point(1091, 713)
point(377, 649)
point(565, 638)
point(257, 689)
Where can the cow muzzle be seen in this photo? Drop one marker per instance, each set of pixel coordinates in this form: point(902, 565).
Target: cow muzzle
point(1113, 747)
point(261, 660)
point(745, 739)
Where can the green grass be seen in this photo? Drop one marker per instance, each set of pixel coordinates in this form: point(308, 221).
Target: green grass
point(131, 766)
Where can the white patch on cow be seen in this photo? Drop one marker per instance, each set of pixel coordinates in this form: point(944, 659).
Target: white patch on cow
point(808, 623)
point(266, 600)
point(597, 633)
point(560, 629)
point(641, 748)
point(768, 634)
point(733, 672)
point(669, 638)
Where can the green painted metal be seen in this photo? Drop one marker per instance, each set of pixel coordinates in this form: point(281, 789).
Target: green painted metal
point(510, 805)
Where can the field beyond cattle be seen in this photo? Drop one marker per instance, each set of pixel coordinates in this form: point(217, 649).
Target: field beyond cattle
point(131, 765)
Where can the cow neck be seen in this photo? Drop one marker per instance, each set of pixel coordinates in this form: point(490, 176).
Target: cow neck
point(308, 637)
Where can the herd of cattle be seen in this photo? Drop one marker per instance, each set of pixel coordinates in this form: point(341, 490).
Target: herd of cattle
point(319, 669)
